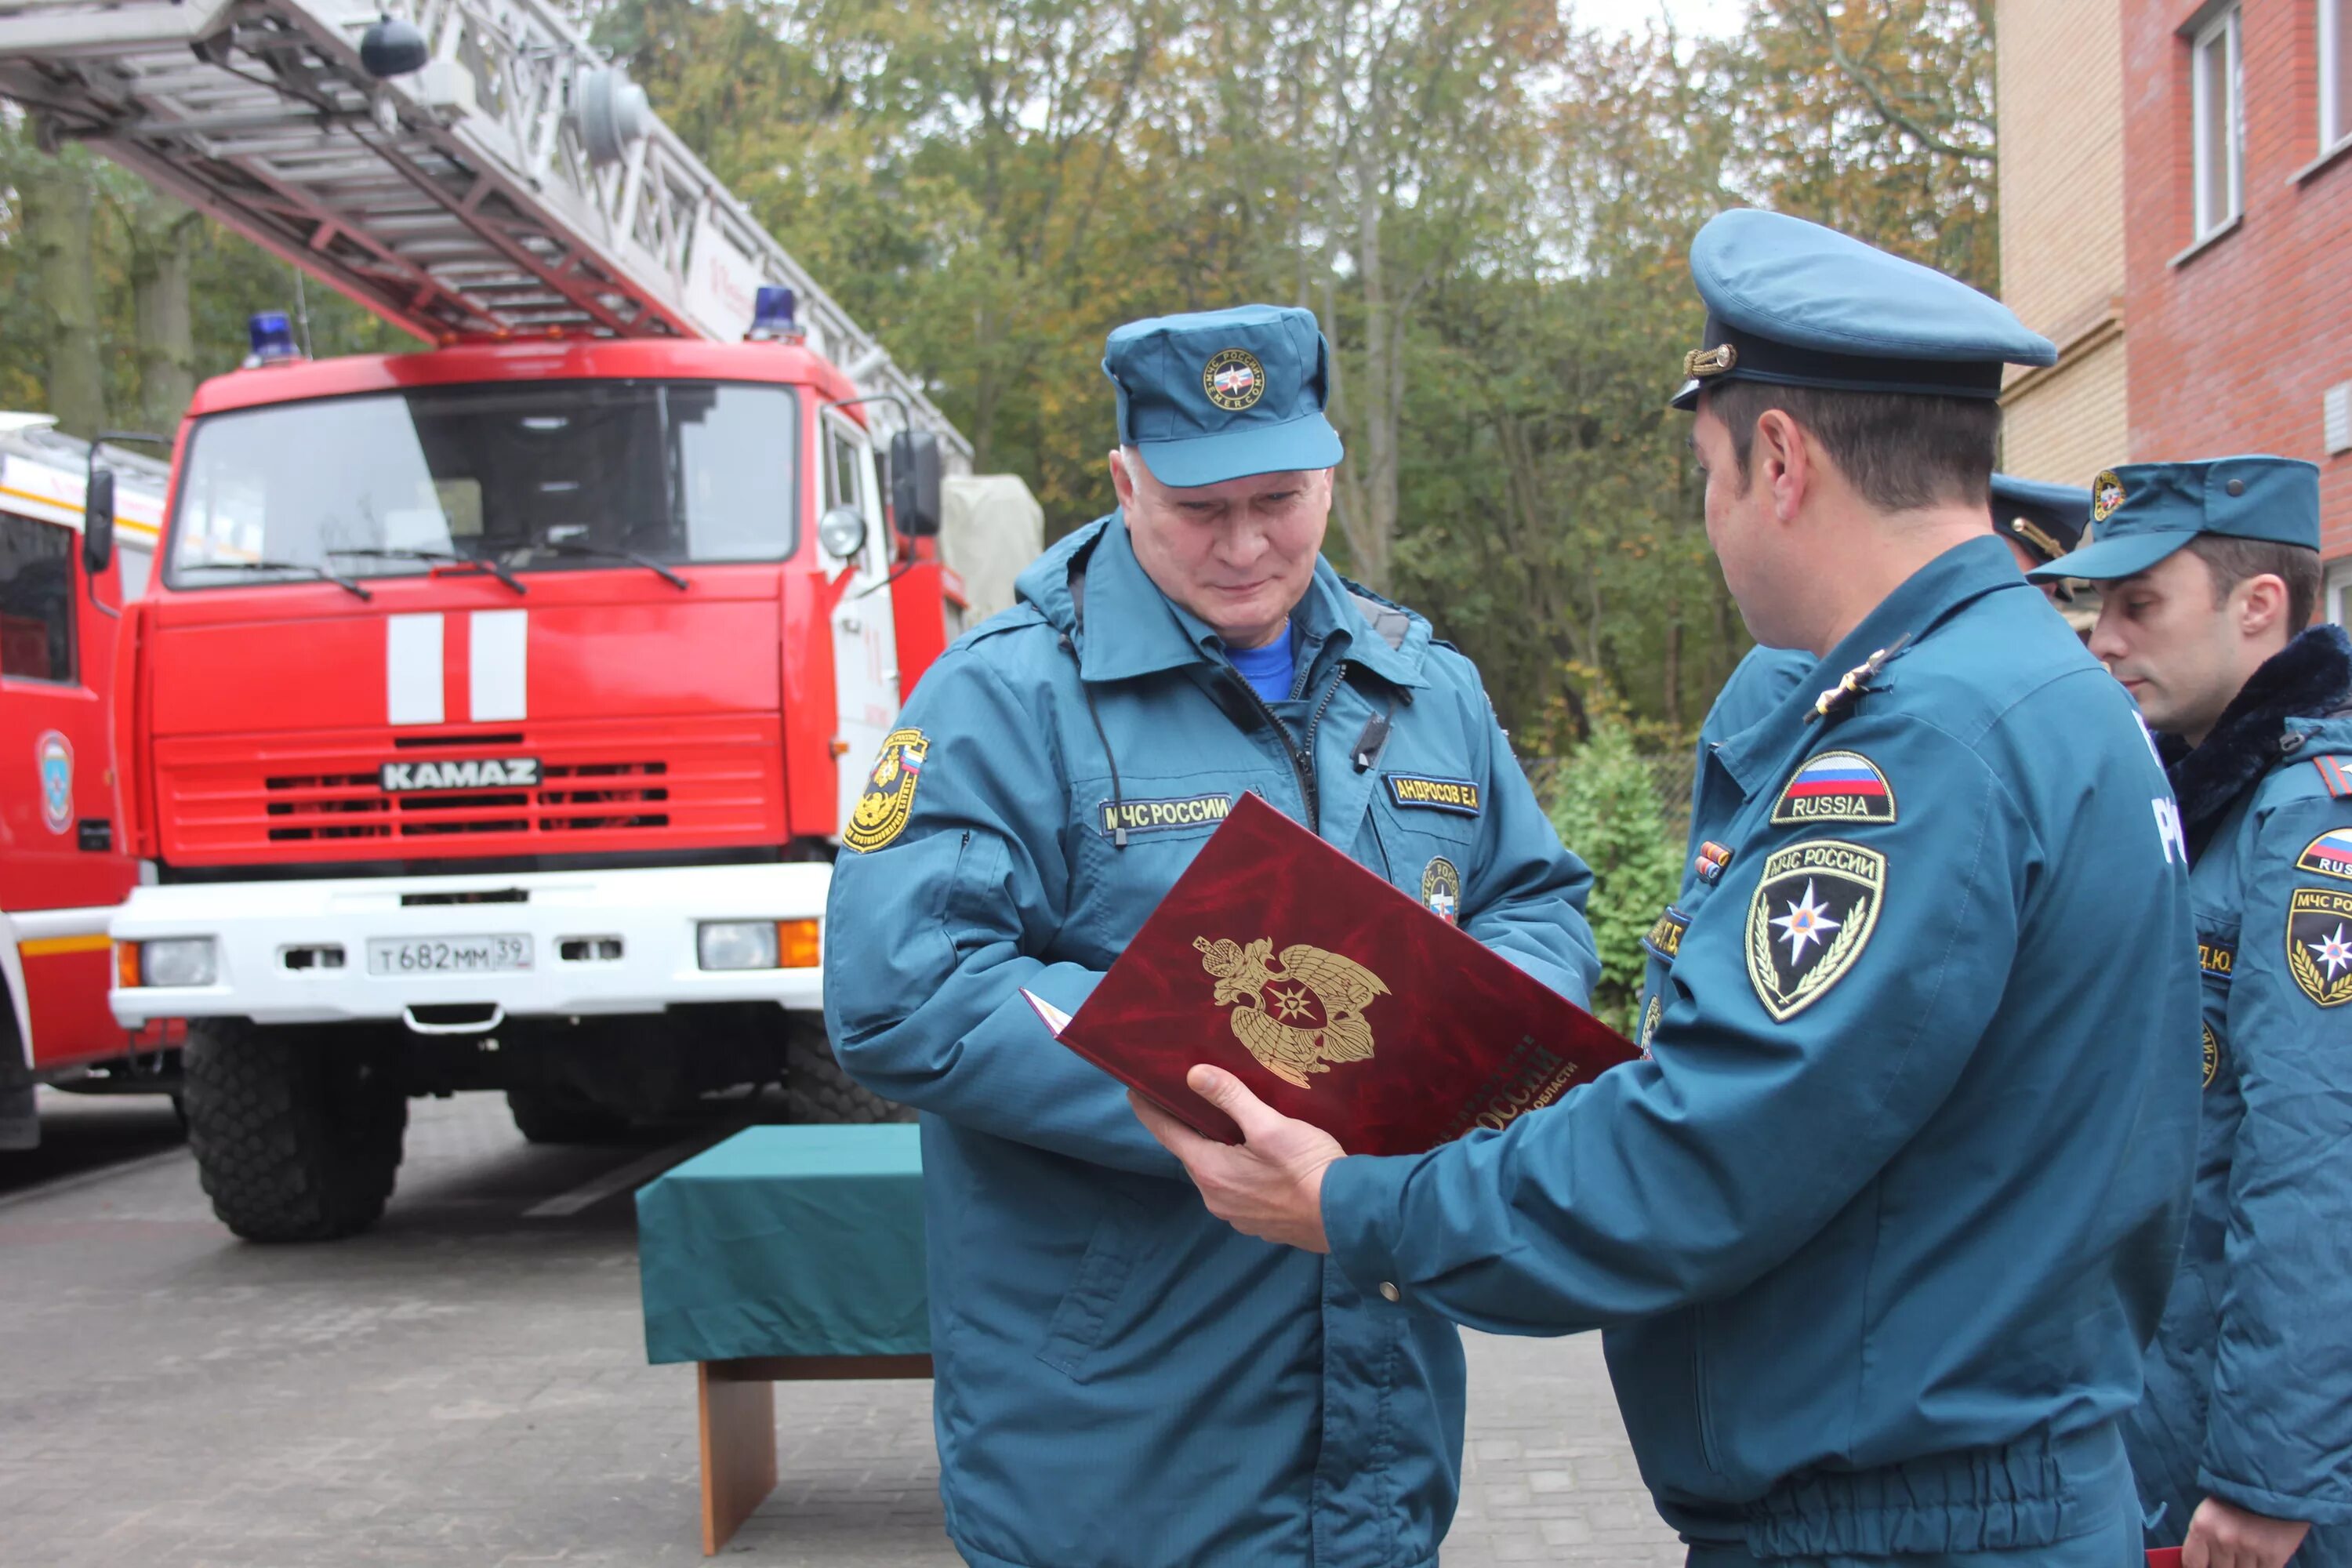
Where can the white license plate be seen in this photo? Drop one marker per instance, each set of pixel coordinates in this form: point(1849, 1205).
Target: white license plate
point(448, 955)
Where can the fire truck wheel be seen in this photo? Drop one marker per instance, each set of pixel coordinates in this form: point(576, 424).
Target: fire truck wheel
point(296, 1136)
point(563, 1116)
point(816, 1090)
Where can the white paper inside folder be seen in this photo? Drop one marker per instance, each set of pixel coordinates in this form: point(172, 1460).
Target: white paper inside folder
point(1055, 1019)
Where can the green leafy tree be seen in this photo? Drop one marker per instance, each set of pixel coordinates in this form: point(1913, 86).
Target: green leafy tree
point(1605, 800)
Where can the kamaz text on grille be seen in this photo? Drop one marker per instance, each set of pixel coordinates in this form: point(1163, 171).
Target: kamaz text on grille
point(472, 773)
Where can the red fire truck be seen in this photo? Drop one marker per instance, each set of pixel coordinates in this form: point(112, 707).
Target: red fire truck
point(62, 870)
point(496, 709)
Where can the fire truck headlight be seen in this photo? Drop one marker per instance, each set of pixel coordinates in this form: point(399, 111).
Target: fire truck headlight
point(736, 944)
point(177, 961)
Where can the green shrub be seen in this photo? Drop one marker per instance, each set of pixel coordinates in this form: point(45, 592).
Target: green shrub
point(1605, 801)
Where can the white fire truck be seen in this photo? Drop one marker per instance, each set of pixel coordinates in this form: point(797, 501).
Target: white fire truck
point(495, 710)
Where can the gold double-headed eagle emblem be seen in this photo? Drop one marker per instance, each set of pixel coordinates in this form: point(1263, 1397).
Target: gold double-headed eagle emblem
point(1300, 1012)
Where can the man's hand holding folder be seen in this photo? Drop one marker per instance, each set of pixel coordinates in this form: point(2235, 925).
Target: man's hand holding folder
point(1270, 1185)
point(1280, 990)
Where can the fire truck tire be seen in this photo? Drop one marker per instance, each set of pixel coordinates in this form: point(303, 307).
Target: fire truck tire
point(562, 1116)
point(295, 1138)
point(817, 1091)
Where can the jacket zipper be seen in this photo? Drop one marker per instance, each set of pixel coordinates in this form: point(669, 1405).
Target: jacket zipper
point(1302, 766)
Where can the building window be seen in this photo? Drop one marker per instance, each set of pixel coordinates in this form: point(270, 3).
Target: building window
point(2337, 607)
point(2220, 121)
point(2335, 72)
point(36, 599)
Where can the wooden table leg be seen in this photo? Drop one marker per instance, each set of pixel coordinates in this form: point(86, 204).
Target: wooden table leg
point(737, 1426)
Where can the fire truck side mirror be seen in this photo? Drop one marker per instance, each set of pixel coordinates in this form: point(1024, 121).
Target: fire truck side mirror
point(98, 521)
point(915, 471)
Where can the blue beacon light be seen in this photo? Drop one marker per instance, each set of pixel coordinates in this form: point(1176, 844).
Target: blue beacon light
point(272, 337)
point(771, 317)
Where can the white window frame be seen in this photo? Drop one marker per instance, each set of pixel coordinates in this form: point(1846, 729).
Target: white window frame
point(2335, 93)
point(2335, 604)
point(2220, 31)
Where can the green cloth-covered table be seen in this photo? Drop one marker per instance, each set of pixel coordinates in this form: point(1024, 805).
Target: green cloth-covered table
point(783, 1253)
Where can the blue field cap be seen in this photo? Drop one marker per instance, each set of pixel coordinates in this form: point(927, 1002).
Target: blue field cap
point(1222, 395)
point(2047, 519)
point(1795, 304)
point(2142, 512)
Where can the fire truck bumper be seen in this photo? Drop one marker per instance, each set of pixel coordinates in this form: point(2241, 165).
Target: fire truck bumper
point(542, 943)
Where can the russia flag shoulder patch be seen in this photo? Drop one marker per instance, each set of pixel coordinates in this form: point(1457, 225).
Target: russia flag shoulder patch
point(1836, 786)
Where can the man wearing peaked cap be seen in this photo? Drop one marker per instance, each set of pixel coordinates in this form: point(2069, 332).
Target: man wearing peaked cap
point(2242, 1445)
point(2040, 521)
point(1880, 1230)
point(1123, 1382)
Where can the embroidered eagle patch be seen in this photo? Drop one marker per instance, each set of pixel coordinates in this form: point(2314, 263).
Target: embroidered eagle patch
point(882, 809)
point(1812, 914)
point(2319, 945)
point(1836, 786)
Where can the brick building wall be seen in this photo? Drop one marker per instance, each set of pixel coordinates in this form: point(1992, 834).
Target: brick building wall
point(2235, 341)
point(2059, 76)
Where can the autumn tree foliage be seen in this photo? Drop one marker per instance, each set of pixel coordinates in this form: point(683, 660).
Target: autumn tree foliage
point(1486, 205)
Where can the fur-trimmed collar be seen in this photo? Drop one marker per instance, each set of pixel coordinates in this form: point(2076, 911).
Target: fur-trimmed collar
point(2309, 678)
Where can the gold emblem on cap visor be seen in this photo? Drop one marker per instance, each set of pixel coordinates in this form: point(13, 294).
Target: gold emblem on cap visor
point(1701, 362)
point(2037, 538)
point(2106, 495)
point(1233, 379)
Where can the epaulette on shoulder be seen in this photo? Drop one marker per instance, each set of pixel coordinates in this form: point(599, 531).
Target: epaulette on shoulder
point(1386, 617)
point(1012, 620)
point(2334, 775)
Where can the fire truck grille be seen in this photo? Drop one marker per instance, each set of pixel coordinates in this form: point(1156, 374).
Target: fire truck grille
point(575, 798)
point(598, 786)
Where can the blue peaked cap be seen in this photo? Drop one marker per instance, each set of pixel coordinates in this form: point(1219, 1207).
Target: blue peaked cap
point(1794, 304)
point(1222, 395)
point(2142, 512)
point(2048, 520)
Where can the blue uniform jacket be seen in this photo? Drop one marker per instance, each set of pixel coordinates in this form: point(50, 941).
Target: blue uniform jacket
point(1881, 1230)
point(1122, 1380)
point(2250, 1384)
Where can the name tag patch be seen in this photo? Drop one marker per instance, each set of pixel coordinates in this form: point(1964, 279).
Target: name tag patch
point(1459, 796)
point(1666, 937)
point(1836, 786)
point(2217, 959)
point(1162, 816)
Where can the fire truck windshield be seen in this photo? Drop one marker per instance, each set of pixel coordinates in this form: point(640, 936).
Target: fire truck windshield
point(534, 476)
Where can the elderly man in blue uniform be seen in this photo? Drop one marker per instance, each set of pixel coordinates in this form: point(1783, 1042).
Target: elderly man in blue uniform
point(1882, 1228)
point(2244, 1442)
point(1122, 1380)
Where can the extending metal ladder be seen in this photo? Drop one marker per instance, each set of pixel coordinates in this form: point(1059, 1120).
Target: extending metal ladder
point(516, 186)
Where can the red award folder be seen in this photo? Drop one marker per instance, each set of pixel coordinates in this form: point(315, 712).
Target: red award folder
point(2164, 1557)
point(1337, 998)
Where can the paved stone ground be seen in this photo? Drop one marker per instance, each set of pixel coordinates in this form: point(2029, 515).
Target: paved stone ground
point(466, 1385)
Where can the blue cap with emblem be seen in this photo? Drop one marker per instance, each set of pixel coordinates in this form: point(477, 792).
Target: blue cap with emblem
point(2047, 519)
point(2142, 512)
point(1222, 395)
point(1794, 304)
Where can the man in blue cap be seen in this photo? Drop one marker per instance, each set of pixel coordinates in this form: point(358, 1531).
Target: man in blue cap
point(1122, 1380)
point(2211, 574)
point(1881, 1229)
